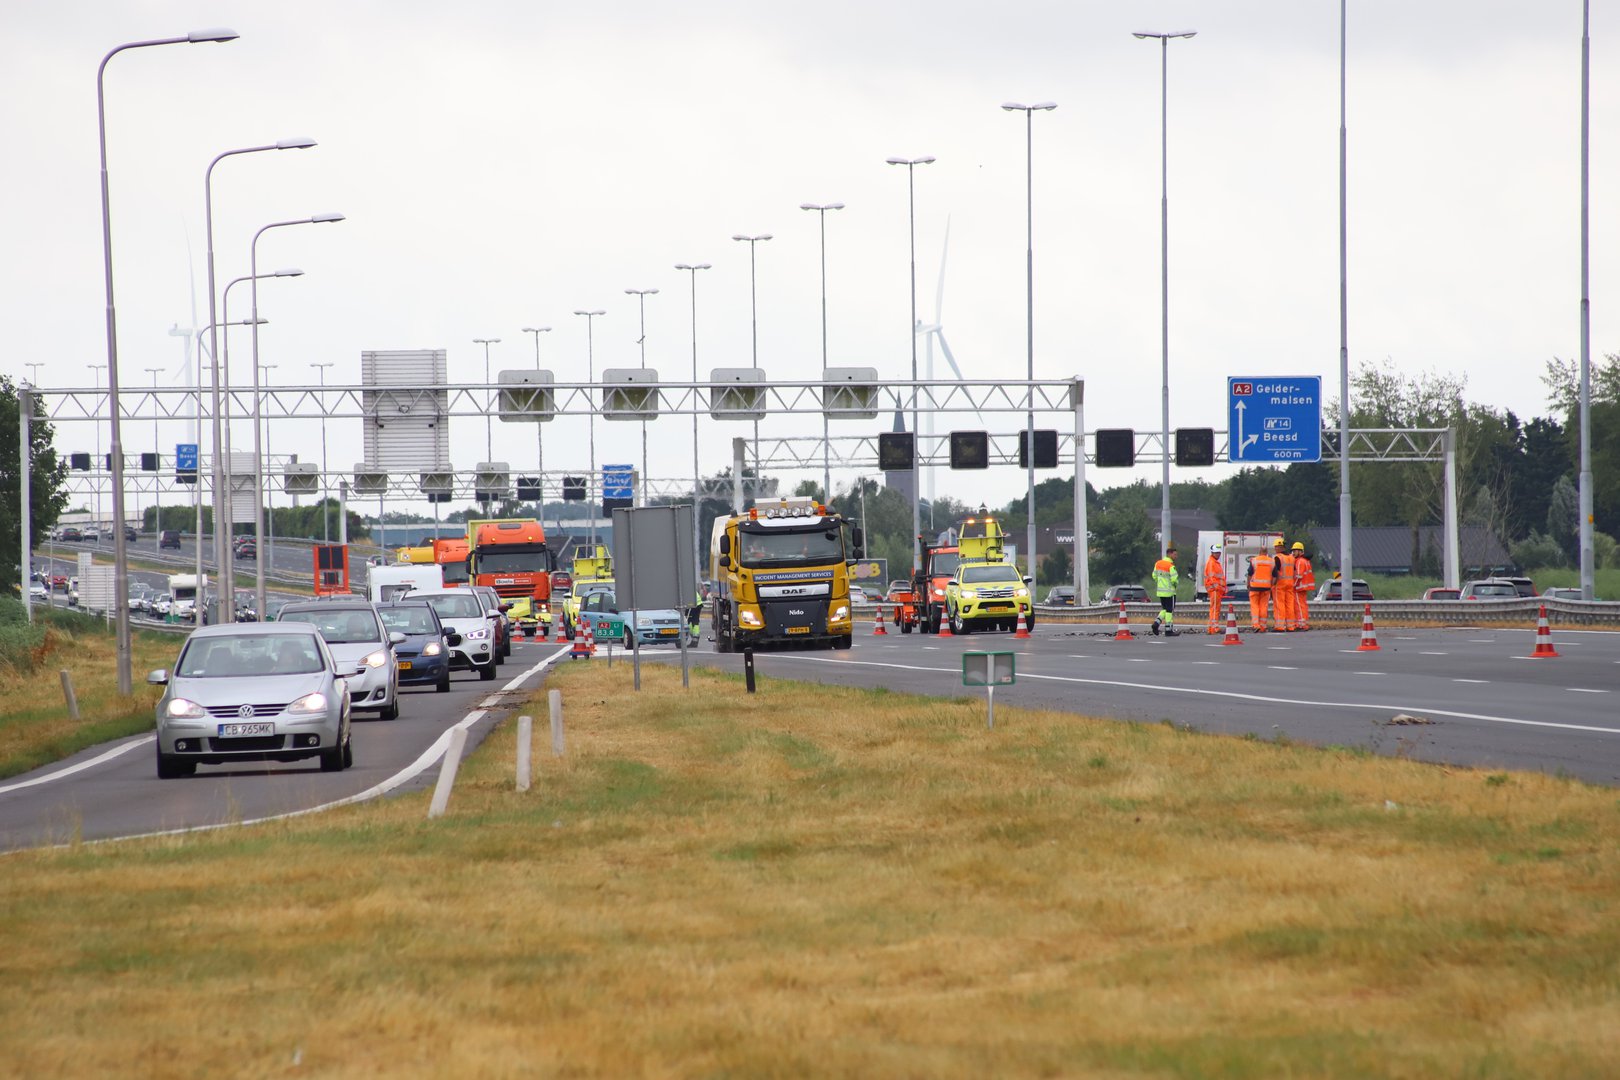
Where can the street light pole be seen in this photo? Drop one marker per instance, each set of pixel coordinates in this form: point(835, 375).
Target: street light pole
point(826, 432)
point(753, 308)
point(120, 549)
point(196, 485)
point(697, 475)
point(916, 473)
point(1029, 271)
point(260, 492)
point(489, 403)
point(222, 552)
point(539, 438)
point(1164, 268)
point(326, 529)
point(157, 455)
point(1588, 562)
point(641, 298)
point(1346, 533)
point(264, 550)
point(95, 374)
point(590, 376)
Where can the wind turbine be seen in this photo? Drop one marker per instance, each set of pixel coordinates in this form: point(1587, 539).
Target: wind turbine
point(930, 331)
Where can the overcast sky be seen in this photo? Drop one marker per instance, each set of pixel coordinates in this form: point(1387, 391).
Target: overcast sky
point(503, 164)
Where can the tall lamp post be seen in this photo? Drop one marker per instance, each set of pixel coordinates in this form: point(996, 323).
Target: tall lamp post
point(95, 374)
point(916, 473)
point(753, 309)
point(697, 475)
point(1346, 533)
point(489, 404)
point(120, 550)
point(222, 545)
point(1164, 264)
point(264, 550)
point(320, 370)
point(826, 432)
point(539, 437)
point(196, 485)
point(1588, 570)
point(157, 455)
point(1029, 271)
point(590, 376)
point(259, 490)
point(641, 342)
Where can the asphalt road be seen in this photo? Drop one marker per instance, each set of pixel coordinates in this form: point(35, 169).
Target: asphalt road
point(1488, 703)
point(112, 790)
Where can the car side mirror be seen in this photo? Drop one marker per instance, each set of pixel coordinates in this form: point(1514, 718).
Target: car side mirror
point(396, 638)
point(505, 608)
point(1029, 580)
point(725, 546)
point(725, 562)
point(359, 669)
point(492, 614)
point(452, 638)
point(160, 677)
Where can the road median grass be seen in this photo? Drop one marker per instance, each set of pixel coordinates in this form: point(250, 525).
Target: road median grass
point(35, 728)
point(829, 881)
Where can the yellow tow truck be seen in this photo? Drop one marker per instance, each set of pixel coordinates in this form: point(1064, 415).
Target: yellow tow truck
point(986, 592)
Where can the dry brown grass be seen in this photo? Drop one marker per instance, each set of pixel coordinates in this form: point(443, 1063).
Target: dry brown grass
point(819, 881)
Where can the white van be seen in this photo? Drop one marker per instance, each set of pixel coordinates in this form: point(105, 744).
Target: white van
point(386, 583)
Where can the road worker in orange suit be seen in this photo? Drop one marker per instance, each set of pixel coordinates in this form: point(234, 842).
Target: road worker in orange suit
point(1304, 582)
point(1262, 574)
point(1282, 590)
point(1215, 586)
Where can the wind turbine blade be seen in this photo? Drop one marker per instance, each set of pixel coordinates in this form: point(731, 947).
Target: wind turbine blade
point(939, 292)
point(945, 347)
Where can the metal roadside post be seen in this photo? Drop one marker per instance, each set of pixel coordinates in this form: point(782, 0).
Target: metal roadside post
point(748, 668)
point(989, 670)
point(25, 407)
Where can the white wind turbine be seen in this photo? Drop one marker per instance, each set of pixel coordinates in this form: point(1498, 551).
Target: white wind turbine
point(930, 331)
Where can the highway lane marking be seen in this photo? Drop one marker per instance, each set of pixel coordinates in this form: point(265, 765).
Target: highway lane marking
point(1137, 660)
point(1208, 663)
point(383, 787)
point(1479, 682)
point(1279, 667)
point(89, 763)
point(1434, 654)
point(1078, 656)
point(1366, 673)
point(1582, 690)
point(1279, 648)
point(1202, 692)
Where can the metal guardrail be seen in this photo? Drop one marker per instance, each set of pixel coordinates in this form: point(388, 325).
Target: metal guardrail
point(1520, 612)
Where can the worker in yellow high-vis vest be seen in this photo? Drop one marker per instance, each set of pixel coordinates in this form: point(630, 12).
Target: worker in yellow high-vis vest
point(1164, 584)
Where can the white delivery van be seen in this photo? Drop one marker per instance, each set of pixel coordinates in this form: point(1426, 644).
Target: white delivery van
point(385, 583)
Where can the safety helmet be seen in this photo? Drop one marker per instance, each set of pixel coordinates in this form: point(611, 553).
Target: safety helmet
point(1298, 546)
point(1214, 549)
point(1278, 542)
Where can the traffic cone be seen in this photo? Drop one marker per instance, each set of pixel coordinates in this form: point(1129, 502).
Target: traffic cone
point(590, 638)
point(1544, 645)
point(1369, 636)
point(944, 627)
point(1231, 637)
point(878, 629)
point(581, 648)
point(1023, 628)
point(1124, 631)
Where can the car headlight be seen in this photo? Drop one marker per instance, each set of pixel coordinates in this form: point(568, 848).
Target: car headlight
point(748, 618)
point(1021, 592)
point(840, 612)
point(431, 649)
point(476, 635)
point(376, 659)
point(969, 594)
point(181, 709)
point(939, 592)
point(309, 705)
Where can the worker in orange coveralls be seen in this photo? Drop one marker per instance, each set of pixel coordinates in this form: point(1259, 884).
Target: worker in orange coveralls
point(1304, 582)
point(1215, 586)
point(1262, 572)
point(1282, 593)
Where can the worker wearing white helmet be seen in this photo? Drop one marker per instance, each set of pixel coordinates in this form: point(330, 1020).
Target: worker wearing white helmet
point(1215, 586)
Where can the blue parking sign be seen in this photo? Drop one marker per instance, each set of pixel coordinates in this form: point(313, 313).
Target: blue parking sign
point(1274, 419)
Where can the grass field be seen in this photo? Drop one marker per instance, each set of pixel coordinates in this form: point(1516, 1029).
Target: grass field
point(816, 881)
point(35, 728)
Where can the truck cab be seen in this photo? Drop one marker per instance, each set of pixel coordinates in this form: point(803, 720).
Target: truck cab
point(781, 578)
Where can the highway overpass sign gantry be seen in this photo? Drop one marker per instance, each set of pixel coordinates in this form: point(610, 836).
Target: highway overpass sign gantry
point(1274, 419)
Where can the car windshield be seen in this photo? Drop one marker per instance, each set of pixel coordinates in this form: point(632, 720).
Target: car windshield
point(602, 601)
point(803, 546)
point(983, 575)
point(457, 605)
point(339, 626)
point(409, 619)
point(943, 563)
point(1495, 590)
point(1445, 594)
point(250, 656)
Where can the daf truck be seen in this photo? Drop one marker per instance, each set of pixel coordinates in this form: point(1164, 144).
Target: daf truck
point(781, 578)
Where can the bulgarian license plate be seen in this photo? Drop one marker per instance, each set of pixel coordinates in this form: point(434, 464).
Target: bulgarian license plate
point(669, 631)
point(798, 629)
point(239, 731)
point(404, 665)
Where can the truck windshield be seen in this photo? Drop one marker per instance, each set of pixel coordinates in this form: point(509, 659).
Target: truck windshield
point(819, 546)
point(943, 563)
point(455, 573)
point(983, 575)
point(506, 562)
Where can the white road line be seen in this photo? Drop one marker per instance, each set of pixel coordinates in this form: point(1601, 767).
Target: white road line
point(1137, 660)
point(1277, 667)
point(408, 773)
point(1406, 639)
point(90, 763)
point(1477, 682)
point(1434, 654)
point(1235, 695)
point(1078, 656)
point(1208, 663)
point(1582, 690)
point(1279, 648)
point(1367, 673)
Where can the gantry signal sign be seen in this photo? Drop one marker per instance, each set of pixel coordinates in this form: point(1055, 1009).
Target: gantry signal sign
point(1274, 419)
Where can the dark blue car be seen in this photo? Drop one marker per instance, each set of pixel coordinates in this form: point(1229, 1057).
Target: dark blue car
point(424, 656)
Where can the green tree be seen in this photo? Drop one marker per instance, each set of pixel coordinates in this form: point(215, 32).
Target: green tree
point(1123, 546)
point(1057, 568)
point(47, 477)
point(1564, 518)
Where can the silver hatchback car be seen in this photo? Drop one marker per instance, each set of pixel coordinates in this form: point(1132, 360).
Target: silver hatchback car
point(253, 692)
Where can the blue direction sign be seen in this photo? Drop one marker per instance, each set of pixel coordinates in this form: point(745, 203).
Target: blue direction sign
point(185, 457)
point(1274, 419)
point(618, 481)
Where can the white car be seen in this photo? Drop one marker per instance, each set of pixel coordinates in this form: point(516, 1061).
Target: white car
point(354, 633)
point(857, 595)
point(462, 611)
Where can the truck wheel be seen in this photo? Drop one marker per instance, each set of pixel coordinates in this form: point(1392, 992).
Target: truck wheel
point(843, 641)
point(905, 627)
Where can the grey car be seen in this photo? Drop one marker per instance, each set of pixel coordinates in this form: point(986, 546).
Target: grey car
point(252, 692)
point(355, 635)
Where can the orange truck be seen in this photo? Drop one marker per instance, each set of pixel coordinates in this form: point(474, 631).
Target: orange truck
point(451, 554)
point(512, 556)
point(922, 607)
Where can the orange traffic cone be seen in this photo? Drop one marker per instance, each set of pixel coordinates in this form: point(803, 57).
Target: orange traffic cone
point(878, 629)
point(1369, 636)
point(944, 627)
point(1023, 627)
point(590, 638)
point(1231, 637)
point(581, 648)
point(1544, 645)
point(1124, 631)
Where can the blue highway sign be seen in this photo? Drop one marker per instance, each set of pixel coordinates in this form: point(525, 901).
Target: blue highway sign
point(618, 481)
point(1274, 419)
point(185, 457)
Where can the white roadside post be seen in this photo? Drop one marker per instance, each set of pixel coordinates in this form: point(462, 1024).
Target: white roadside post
point(554, 699)
point(447, 772)
point(525, 737)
